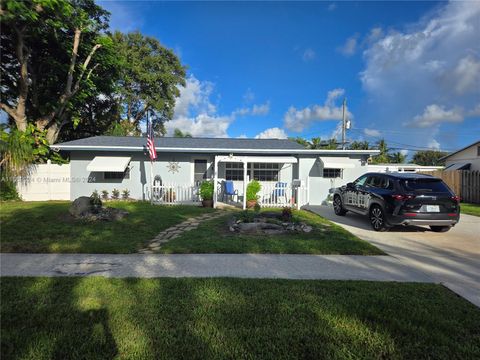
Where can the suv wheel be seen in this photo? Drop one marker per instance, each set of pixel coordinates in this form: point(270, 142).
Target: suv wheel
point(377, 218)
point(440, 228)
point(338, 207)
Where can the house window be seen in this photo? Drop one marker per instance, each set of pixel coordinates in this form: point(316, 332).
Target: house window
point(234, 171)
point(199, 170)
point(332, 173)
point(113, 175)
point(265, 171)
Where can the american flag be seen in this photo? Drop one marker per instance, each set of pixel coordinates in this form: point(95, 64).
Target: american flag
point(150, 143)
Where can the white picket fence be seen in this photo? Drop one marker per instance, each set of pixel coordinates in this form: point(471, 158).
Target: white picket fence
point(272, 194)
point(278, 194)
point(175, 194)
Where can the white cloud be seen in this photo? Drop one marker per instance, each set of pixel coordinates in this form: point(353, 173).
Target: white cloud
point(242, 136)
point(308, 55)
point(298, 120)
point(405, 152)
point(262, 109)
point(272, 133)
point(435, 114)
point(255, 110)
point(194, 96)
point(467, 74)
point(428, 71)
point(375, 34)
point(202, 125)
point(196, 114)
point(350, 46)
point(372, 132)
point(433, 144)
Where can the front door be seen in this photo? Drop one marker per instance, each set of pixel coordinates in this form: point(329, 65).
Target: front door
point(199, 171)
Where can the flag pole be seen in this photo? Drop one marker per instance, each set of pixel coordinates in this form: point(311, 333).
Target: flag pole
point(151, 163)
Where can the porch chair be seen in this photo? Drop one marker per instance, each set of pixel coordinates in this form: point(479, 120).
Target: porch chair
point(228, 190)
point(280, 191)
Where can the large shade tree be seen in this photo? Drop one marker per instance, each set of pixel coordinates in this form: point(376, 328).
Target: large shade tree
point(149, 81)
point(55, 57)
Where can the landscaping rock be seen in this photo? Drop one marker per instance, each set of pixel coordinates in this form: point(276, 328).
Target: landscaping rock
point(81, 206)
point(257, 227)
point(106, 214)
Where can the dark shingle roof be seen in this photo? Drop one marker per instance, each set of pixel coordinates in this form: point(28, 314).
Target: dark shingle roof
point(181, 143)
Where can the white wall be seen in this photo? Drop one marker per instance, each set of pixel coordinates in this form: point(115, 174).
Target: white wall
point(139, 182)
point(46, 182)
point(310, 170)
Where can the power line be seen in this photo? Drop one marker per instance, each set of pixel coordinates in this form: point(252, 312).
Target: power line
point(404, 146)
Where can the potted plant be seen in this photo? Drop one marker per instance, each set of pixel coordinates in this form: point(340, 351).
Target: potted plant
point(206, 193)
point(253, 188)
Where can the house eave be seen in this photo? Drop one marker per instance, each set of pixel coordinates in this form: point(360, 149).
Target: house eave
point(215, 150)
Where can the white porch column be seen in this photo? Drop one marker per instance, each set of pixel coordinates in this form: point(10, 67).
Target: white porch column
point(245, 180)
point(215, 180)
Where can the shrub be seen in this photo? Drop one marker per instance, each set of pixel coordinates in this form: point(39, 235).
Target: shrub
point(256, 208)
point(206, 190)
point(115, 194)
point(287, 214)
point(104, 194)
point(246, 216)
point(125, 194)
point(95, 199)
point(8, 190)
point(253, 188)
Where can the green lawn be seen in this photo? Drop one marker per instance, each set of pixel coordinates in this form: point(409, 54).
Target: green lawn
point(47, 227)
point(471, 209)
point(326, 238)
point(98, 318)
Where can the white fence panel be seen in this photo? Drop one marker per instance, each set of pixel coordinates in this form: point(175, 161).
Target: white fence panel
point(46, 182)
point(174, 194)
point(280, 194)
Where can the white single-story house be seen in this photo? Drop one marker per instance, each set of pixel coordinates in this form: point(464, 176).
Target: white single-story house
point(289, 173)
point(467, 158)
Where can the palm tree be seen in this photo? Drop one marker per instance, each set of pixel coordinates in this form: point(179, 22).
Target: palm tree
point(397, 158)
point(315, 143)
point(17, 154)
point(383, 157)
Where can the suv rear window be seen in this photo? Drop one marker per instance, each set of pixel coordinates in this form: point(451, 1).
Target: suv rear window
point(424, 185)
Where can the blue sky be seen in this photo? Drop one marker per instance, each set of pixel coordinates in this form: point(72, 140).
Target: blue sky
point(410, 71)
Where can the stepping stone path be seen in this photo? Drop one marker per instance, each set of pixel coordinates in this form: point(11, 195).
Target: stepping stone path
point(177, 230)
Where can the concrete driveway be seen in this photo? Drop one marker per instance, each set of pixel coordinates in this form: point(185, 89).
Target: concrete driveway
point(451, 258)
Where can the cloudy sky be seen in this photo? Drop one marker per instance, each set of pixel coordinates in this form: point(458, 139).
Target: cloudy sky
point(410, 71)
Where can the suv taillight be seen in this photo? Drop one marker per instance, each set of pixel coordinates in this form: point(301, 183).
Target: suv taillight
point(403, 197)
point(456, 198)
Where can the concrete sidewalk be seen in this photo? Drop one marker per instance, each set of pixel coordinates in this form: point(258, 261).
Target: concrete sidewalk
point(451, 258)
point(334, 267)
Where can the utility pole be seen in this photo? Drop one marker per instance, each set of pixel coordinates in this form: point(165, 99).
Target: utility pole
point(344, 123)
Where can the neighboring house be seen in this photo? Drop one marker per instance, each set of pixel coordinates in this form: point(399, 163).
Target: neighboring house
point(401, 168)
point(467, 158)
point(289, 173)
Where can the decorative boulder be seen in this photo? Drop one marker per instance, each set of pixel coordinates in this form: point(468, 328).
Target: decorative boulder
point(81, 206)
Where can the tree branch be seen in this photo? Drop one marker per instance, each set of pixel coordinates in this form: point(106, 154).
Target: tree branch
point(73, 61)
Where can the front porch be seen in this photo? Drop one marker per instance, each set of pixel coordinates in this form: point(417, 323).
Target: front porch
point(231, 175)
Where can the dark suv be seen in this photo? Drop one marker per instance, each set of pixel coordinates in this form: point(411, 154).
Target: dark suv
point(390, 199)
